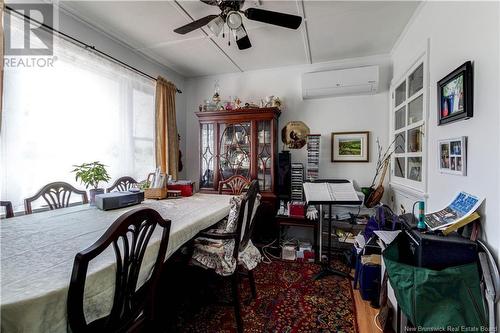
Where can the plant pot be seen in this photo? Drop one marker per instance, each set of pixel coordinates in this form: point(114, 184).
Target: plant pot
point(92, 193)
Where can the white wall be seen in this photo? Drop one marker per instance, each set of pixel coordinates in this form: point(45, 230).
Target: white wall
point(105, 43)
point(321, 115)
point(471, 34)
point(457, 32)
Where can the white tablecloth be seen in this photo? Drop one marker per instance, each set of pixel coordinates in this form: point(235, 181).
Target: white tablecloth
point(37, 253)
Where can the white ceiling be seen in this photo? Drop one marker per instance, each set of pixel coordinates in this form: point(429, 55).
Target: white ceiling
point(332, 30)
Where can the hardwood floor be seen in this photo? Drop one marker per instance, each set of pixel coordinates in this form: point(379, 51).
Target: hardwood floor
point(365, 315)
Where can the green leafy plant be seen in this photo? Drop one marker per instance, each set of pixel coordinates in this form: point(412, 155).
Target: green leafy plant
point(91, 174)
point(144, 185)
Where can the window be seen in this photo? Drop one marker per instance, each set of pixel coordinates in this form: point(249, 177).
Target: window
point(408, 128)
point(83, 109)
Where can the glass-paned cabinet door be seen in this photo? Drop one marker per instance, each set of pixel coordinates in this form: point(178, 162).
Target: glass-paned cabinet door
point(415, 168)
point(409, 127)
point(400, 118)
point(207, 154)
point(416, 80)
point(416, 110)
point(234, 150)
point(400, 94)
point(264, 156)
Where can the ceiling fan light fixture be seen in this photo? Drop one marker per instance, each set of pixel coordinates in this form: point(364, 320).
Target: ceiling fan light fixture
point(234, 20)
point(232, 15)
point(216, 25)
point(239, 33)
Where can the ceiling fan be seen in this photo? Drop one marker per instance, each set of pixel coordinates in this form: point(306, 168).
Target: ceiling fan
point(231, 14)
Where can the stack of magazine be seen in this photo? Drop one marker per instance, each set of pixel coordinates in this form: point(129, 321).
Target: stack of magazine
point(461, 211)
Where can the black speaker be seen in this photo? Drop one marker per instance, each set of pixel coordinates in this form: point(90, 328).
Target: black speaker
point(439, 252)
point(436, 251)
point(284, 175)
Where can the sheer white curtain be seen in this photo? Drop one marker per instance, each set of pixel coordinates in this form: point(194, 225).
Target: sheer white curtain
point(83, 109)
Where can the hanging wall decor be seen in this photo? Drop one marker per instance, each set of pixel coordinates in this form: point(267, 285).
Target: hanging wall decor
point(350, 146)
point(455, 95)
point(294, 134)
point(453, 156)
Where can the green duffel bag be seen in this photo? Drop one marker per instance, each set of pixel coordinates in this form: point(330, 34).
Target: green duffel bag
point(444, 300)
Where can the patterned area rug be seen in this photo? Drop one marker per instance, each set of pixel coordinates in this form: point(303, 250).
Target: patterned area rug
point(288, 300)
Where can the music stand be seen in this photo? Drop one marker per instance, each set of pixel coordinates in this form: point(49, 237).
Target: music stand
point(326, 270)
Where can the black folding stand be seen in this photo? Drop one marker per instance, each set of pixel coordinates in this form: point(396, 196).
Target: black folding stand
point(326, 269)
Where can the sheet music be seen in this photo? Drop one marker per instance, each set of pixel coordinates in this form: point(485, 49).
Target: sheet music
point(387, 236)
point(342, 192)
point(330, 192)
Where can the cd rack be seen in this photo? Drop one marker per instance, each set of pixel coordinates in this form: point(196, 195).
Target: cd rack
point(297, 180)
point(313, 145)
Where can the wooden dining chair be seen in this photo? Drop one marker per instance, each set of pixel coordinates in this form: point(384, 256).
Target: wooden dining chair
point(9, 212)
point(235, 185)
point(233, 240)
point(56, 195)
point(133, 309)
point(122, 184)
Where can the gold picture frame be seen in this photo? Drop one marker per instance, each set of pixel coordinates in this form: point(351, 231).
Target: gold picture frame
point(351, 146)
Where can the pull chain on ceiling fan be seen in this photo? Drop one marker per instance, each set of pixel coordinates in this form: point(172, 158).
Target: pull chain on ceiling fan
point(231, 15)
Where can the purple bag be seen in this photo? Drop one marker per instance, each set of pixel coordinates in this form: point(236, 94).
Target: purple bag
point(384, 219)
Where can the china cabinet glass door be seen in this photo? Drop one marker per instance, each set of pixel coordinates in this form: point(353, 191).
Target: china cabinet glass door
point(207, 154)
point(264, 154)
point(234, 150)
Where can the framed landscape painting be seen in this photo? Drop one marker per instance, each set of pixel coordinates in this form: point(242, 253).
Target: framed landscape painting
point(350, 146)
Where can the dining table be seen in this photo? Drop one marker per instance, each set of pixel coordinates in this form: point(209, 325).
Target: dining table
point(38, 251)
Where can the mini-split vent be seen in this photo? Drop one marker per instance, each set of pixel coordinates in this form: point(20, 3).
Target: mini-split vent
point(342, 82)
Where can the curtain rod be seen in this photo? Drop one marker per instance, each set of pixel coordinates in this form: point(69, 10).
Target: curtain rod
point(85, 45)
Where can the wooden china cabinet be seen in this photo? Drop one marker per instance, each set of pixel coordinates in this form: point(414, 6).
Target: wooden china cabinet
point(240, 142)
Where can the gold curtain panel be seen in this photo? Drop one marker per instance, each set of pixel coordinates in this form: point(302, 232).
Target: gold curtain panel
point(166, 140)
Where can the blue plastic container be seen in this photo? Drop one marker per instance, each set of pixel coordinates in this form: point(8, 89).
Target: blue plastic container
point(369, 280)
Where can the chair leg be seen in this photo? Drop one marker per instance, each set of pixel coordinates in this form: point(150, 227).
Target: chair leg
point(236, 302)
point(251, 279)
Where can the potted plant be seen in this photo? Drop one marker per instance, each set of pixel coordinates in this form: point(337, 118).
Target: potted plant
point(91, 174)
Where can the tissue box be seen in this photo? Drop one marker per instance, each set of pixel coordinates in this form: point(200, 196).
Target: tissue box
point(185, 186)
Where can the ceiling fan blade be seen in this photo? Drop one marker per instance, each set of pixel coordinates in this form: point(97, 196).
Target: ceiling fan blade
point(276, 18)
point(195, 24)
point(210, 2)
point(244, 42)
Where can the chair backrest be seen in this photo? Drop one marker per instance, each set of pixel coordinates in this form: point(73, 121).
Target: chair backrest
point(9, 212)
point(236, 184)
point(246, 216)
point(133, 230)
point(122, 184)
point(56, 195)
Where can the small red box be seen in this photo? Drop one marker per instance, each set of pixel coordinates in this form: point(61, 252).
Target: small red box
point(309, 256)
point(186, 188)
point(297, 210)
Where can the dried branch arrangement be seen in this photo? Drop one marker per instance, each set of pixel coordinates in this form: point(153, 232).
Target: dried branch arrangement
point(383, 158)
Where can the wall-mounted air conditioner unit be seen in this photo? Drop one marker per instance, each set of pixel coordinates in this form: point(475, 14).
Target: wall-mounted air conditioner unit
point(350, 81)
